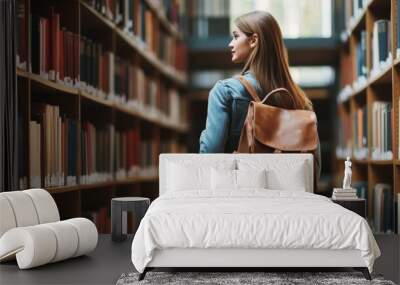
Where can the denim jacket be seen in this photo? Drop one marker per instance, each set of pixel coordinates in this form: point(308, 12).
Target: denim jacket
point(228, 102)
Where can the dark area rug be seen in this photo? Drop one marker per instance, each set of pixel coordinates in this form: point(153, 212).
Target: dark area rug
point(229, 278)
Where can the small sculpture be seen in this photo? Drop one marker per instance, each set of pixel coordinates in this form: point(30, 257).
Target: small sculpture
point(347, 174)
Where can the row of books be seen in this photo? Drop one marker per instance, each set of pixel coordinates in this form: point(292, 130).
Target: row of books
point(149, 28)
point(353, 9)
point(137, 19)
point(52, 147)
point(35, 154)
point(381, 38)
point(97, 156)
point(148, 156)
point(55, 51)
point(105, 75)
point(22, 153)
point(135, 155)
point(358, 7)
point(21, 27)
point(175, 107)
point(382, 123)
point(345, 79)
point(155, 98)
point(97, 153)
point(361, 56)
point(106, 150)
point(360, 124)
point(361, 188)
point(381, 46)
point(383, 208)
point(139, 156)
point(383, 205)
point(127, 153)
point(172, 9)
point(381, 55)
point(53, 150)
point(130, 14)
point(382, 129)
point(96, 68)
point(172, 52)
point(344, 140)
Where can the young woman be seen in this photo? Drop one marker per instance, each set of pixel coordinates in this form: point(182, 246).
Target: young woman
point(257, 42)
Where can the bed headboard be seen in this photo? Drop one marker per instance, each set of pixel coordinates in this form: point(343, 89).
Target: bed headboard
point(274, 160)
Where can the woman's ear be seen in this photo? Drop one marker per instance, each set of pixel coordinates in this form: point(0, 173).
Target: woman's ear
point(253, 40)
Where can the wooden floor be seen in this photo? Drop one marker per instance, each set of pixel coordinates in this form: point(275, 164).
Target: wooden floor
point(111, 259)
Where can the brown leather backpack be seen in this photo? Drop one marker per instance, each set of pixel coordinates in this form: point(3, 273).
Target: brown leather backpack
point(272, 129)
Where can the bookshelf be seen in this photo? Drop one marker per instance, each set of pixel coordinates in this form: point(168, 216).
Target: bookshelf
point(98, 105)
point(368, 108)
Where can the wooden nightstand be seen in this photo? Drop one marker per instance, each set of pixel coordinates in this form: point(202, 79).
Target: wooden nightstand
point(358, 206)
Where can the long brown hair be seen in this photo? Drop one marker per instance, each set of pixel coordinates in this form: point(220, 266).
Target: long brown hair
point(268, 61)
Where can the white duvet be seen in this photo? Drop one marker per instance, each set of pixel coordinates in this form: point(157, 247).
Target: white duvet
point(253, 218)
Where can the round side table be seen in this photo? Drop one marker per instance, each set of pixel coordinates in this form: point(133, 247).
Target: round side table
point(137, 205)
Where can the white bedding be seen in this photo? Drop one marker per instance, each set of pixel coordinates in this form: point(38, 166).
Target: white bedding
point(252, 218)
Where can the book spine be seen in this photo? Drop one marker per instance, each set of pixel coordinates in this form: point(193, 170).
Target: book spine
point(383, 48)
point(22, 37)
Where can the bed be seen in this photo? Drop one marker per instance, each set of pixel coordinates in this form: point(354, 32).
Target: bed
point(247, 210)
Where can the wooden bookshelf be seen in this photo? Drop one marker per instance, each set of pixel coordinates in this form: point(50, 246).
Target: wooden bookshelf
point(160, 13)
point(51, 86)
point(171, 73)
point(77, 102)
point(379, 85)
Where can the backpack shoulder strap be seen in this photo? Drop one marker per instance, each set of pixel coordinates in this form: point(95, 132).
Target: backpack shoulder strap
point(274, 91)
point(249, 88)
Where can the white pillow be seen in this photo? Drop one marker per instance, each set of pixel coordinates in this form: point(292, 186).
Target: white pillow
point(251, 178)
point(236, 179)
point(187, 176)
point(281, 175)
point(223, 179)
point(293, 180)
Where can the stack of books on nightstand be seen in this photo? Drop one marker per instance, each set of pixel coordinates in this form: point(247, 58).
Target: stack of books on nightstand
point(344, 194)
